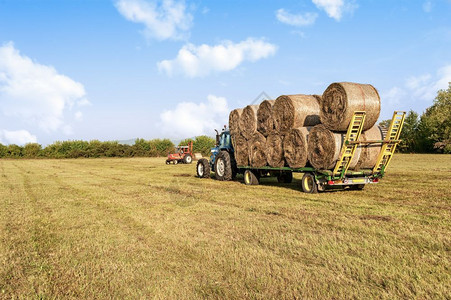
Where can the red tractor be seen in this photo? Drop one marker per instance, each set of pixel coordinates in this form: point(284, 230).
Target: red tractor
point(183, 154)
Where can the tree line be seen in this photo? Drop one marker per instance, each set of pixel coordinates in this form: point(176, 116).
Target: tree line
point(430, 132)
point(95, 148)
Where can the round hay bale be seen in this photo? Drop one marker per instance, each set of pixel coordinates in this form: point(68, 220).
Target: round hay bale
point(370, 152)
point(324, 147)
point(257, 150)
point(319, 99)
point(295, 147)
point(274, 155)
point(264, 117)
point(234, 121)
point(295, 111)
point(248, 121)
point(341, 99)
point(241, 150)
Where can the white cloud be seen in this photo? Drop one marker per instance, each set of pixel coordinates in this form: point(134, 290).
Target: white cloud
point(425, 86)
point(300, 34)
point(190, 119)
point(18, 137)
point(417, 93)
point(83, 102)
point(427, 6)
point(198, 61)
point(335, 8)
point(35, 93)
point(78, 116)
point(205, 10)
point(68, 130)
point(393, 96)
point(304, 19)
point(166, 19)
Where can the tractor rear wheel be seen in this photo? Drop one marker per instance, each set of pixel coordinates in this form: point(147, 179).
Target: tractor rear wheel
point(308, 184)
point(285, 177)
point(203, 168)
point(187, 159)
point(250, 178)
point(223, 166)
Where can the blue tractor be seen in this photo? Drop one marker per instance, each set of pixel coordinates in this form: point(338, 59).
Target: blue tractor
point(222, 160)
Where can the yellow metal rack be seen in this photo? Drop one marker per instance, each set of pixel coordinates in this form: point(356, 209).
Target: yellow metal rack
point(390, 142)
point(349, 145)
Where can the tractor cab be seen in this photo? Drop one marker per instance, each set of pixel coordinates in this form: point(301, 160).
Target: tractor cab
point(182, 149)
point(222, 159)
point(223, 143)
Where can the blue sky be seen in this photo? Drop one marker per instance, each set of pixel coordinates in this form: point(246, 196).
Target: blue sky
point(116, 70)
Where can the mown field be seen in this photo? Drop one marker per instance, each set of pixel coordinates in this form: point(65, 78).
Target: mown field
point(137, 228)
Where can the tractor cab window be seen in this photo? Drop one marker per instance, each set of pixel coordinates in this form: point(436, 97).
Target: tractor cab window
point(225, 140)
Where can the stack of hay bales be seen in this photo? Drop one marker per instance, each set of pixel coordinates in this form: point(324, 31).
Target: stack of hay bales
point(301, 130)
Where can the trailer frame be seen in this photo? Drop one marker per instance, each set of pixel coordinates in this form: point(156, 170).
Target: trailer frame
point(340, 176)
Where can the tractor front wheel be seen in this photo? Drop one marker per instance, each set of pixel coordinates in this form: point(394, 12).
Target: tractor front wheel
point(223, 166)
point(203, 168)
point(187, 159)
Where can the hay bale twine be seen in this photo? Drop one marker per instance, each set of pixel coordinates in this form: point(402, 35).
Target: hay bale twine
point(241, 150)
point(264, 117)
point(295, 147)
point(341, 99)
point(370, 152)
point(324, 147)
point(234, 121)
point(248, 121)
point(274, 155)
point(295, 111)
point(257, 150)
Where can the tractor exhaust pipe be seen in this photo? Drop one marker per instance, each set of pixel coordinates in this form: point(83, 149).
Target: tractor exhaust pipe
point(217, 138)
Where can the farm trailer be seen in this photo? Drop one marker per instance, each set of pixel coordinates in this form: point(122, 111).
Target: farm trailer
point(222, 161)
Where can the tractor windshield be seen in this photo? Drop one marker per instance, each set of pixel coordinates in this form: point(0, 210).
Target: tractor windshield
point(225, 140)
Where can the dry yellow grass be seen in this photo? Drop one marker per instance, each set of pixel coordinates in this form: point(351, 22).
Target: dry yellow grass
point(137, 228)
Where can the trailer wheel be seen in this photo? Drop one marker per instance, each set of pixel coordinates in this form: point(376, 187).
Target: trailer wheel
point(285, 177)
point(223, 166)
point(357, 187)
point(308, 184)
point(187, 159)
point(203, 168)
point(168, 162)
point(250, 178)
point(175, 161)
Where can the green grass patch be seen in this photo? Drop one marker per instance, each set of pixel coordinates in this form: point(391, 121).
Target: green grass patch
point(138, 228)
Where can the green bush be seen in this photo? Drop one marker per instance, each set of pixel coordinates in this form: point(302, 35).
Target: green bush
point(202, 144)
point(14, 151)
point(162, 146)
point(32, 150)
point(94, 148)
point(3, 150)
